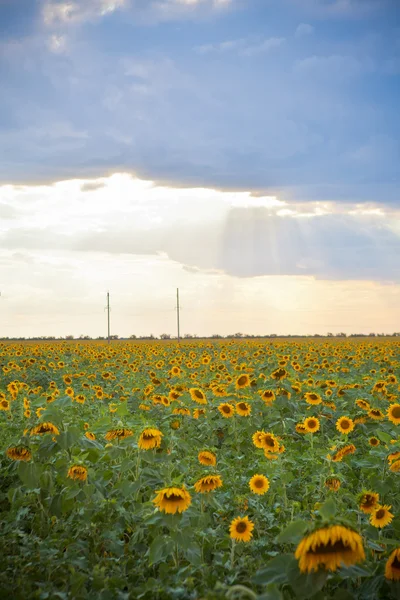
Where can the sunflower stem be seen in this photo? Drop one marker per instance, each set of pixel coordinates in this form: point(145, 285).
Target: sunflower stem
point(232, 554)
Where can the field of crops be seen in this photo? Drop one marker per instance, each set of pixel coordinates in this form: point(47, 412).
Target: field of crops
point(227, 469)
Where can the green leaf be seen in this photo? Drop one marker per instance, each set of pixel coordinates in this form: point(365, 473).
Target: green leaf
point(328, 509)
point(276, 570)
point(293, 533)
point(29, 473)
point(383, 436)
point(68, 438)
point(271, 593)
point(160, 549)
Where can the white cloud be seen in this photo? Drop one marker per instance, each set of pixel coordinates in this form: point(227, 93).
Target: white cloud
point(75, 12)
point(304, 29)
point(242, 46)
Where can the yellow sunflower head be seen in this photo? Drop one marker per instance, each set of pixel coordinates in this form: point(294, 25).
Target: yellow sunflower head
point(368, 501)
point(241, 529)
point(345, 425)
point(243, 409)
point(259, 484)
point(381, 516)
point(394, 413)
point(207, 458)
point(227, 410)
point(172, 499)
point(150, 438)
point(311, 424)
point(328, 548)
point(392, 567)
point(208, 484)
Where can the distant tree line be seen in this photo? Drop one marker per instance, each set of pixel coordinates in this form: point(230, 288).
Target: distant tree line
point(214, 336)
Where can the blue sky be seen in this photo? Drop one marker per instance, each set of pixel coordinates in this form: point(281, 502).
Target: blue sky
point(298, 96)
point(246, 151)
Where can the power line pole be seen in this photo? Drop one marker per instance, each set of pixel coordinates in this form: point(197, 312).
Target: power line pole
point(177, 313)
point(108, 317)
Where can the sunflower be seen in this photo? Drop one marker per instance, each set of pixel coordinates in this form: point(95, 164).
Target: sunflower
point(368, 502)
point(312, 398)
point(90, 436)
point(300, 428)
point(311, 424)
point(392, 568)
point(342, 452)
point(45, 428)
point(150, 438)
point(373, 441)
point(345, 425)
point(243, 409)
point(241, 529)
point(395, 466)
point(80, 399)
point(172, 499)
point(208, 484)
point(268, 396)
point(199, 412)
point(242, 381)
point(363, 404)
point(279, 374)
point(197, 395)
point(78, 472)
point(394, 413)
point(267, 441)
point(69, 392)
point(381, 516)
point(207, 458)
point(332, 483)
point(259, 484)
point(393, 456)
point(376, 414)
point(227, 410)
point(120, 434)
point(329, 548)
point(19, 453)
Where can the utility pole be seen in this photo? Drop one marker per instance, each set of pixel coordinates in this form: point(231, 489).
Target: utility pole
point(177, 313)
point(108, 317)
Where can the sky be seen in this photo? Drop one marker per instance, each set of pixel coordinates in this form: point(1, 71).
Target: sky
point(245, 151)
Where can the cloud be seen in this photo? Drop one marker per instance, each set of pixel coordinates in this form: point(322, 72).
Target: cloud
point(304, 29)
point(75, 12)
point(343, 8)
point(242, 46)
point(232, 233)
point(335, 65)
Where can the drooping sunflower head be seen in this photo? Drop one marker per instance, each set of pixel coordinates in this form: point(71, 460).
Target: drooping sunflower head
point(197, 395)
point(43, 428)
point(393, 456)
point(300, 428)
point(328, 548)
point(395, 466)
point(19, 453)
point(392, 568)
point(381, 516)
point(311, 424)
point(208, 484)
point(394, 413)
point(241, 529)
point(363, 404)
point(345, 425)
point(227, 410)
point(259, 484)
point(120, 433)
point(268, 396)
point(376, 414)
point(207, 458)
point(312, 398)
point(172, 499)
point(150, 438)
point(78, 472)
point(243, 409)
point(332, 483)
point(368, 501)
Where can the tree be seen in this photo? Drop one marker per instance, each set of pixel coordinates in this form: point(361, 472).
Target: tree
point(165, 336)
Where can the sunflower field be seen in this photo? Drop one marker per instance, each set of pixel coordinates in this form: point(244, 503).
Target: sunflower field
point(207, 469)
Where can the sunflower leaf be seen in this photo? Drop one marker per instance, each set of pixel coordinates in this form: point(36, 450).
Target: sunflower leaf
point(328, 509)
point(292, 533)
point(276, 570)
